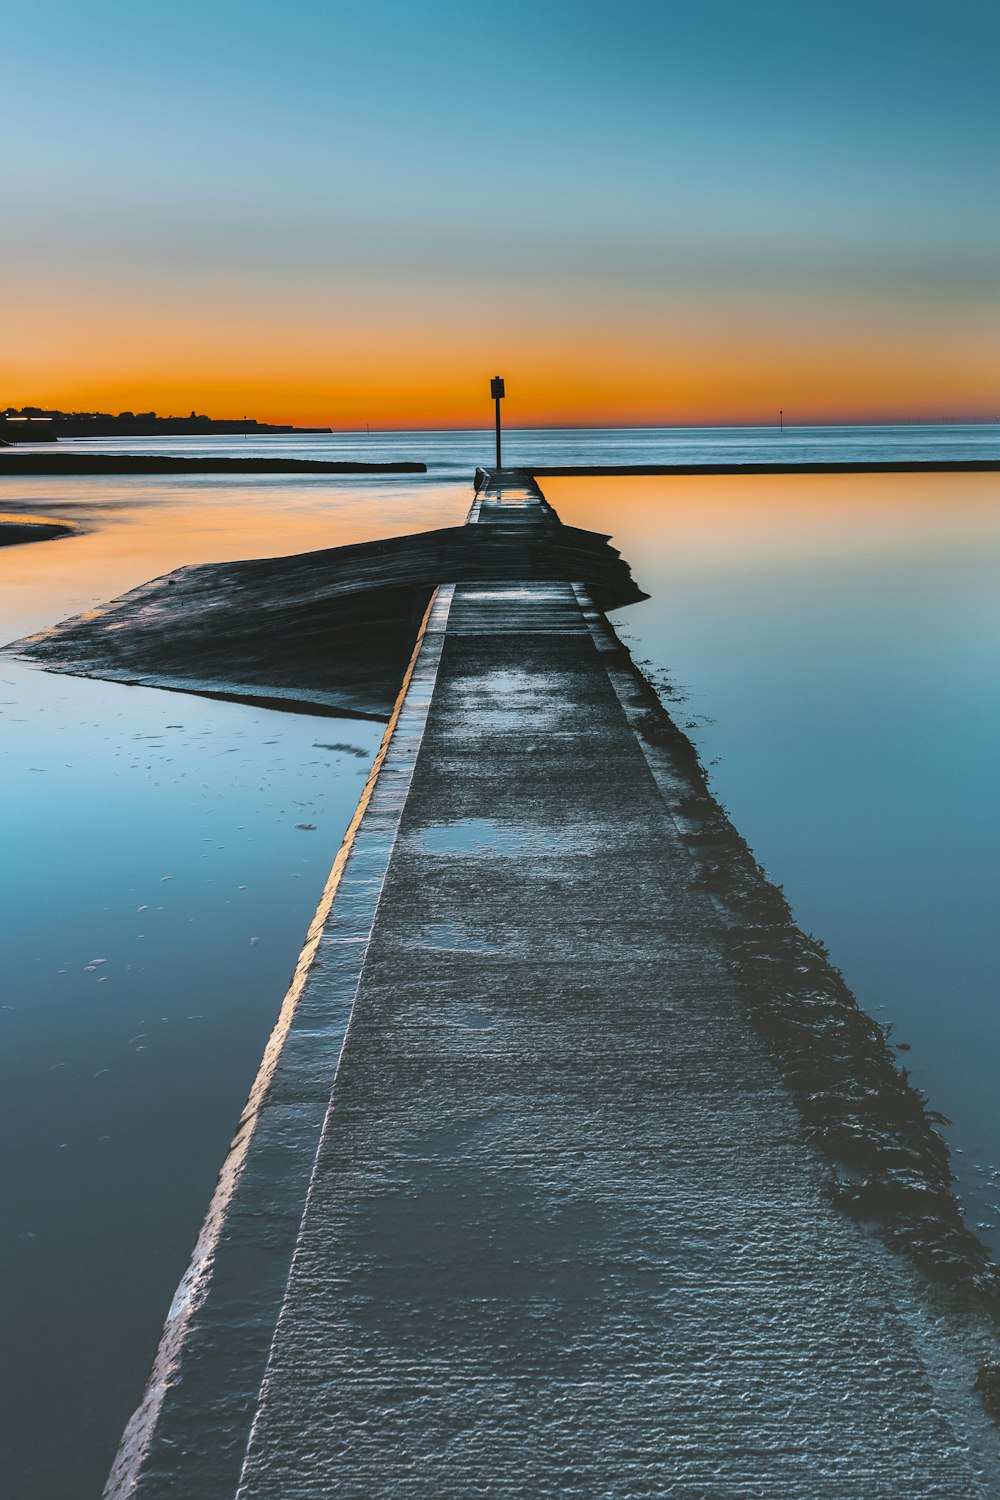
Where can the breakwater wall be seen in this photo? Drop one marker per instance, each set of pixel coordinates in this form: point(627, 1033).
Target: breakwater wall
point(532, 1195)
point(158, 463)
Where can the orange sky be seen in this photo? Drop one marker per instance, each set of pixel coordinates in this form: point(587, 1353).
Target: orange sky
point(703, 216)
point(418, 356)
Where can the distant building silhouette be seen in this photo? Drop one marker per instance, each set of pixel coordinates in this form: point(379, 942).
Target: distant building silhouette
point(32, 424)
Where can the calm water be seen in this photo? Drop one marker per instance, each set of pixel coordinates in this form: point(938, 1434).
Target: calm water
point(835, 642)
point(163, 855)
point(455, 454)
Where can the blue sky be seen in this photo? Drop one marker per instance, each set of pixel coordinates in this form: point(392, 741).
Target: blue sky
point(794, 167)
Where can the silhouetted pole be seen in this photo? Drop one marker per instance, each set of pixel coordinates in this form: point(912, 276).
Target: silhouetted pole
point(781, 421)
point(497, 392)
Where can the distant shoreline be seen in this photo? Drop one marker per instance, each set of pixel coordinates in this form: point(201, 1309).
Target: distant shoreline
point(157, 463)
point(33, 425)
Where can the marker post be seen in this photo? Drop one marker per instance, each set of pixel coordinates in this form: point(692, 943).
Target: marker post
point(497, 392)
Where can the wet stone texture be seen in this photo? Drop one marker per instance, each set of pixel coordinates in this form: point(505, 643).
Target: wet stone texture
point(564, 1235)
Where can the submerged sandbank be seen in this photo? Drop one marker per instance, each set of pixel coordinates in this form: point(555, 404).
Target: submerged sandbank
point(15, 529)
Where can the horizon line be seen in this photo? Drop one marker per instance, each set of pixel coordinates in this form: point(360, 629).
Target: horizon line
point(317, 426)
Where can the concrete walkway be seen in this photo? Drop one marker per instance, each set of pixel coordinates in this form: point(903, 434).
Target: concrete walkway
point(562, 1235)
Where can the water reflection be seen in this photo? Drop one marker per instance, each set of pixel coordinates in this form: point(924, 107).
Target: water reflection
point(832, 645)
point(136, 528)
point(454, 455)
point(163, 855)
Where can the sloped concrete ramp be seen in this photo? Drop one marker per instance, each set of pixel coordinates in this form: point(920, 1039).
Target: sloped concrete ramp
point(520, 1206)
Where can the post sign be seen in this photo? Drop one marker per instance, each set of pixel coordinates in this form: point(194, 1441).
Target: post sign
point(496, 391)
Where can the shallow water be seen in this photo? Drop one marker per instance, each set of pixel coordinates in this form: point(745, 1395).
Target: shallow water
point(163, 855)
point(839, 632)
point(832, 647)
point(131, 528)
point(454, 455)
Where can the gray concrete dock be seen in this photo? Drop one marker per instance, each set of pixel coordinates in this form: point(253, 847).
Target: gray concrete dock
point(520, 1205)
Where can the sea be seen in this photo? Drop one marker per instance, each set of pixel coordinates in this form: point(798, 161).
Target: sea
point(828, 641)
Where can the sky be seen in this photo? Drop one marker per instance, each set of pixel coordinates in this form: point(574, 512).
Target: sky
point(638, 213)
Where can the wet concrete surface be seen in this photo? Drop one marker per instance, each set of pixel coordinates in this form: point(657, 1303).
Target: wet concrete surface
point(563, 1233)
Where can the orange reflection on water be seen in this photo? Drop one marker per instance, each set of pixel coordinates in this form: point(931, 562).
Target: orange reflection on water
point(136, 529)
point(762, 523)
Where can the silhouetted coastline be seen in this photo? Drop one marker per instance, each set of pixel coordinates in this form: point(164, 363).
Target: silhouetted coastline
point(35, 424)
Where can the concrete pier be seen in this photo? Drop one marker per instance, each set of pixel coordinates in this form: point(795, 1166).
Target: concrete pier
point(520, 1205)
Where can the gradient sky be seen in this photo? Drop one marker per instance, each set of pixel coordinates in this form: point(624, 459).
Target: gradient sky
point(639, 213)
